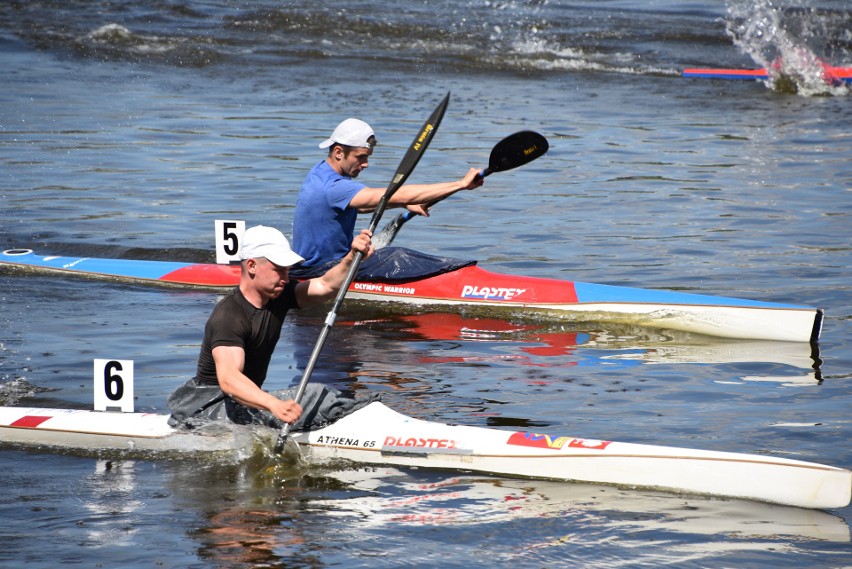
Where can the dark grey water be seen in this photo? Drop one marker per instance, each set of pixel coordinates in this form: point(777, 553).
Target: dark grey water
point(126, 130)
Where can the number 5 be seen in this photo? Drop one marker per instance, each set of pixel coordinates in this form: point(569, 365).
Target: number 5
point(229, 234)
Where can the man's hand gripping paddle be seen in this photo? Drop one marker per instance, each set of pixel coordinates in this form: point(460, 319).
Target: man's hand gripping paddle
point(409, 161)
point(515, 150)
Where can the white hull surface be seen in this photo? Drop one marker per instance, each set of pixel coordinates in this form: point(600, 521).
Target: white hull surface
point(750, 323)
point(376, 434)
point(79, 429)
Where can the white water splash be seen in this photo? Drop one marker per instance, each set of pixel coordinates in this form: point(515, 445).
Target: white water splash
point(785, 37)
point(115, 35)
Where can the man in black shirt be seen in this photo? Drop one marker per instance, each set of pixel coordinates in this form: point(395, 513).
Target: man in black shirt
point(241, 334)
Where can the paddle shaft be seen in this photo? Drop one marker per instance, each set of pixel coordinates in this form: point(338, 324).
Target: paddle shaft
point(406, 166)
point(515, 150)
point(405, 216)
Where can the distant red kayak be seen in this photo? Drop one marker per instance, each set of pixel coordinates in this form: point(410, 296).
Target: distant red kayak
point(835, 75)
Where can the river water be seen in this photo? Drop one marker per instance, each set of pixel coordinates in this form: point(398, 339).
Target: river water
point(127, 128)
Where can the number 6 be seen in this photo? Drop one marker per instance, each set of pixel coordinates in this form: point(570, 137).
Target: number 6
point(113, 381)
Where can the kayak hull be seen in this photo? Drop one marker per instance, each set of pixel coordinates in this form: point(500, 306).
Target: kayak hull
point(376, 434)
point(586, 302)
point(472, 287)
point(384, 436)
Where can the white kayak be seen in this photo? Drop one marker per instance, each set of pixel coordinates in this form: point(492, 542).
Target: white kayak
point(376, 434)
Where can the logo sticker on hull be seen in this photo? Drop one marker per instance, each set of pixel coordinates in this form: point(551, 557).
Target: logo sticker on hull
point(537, 440)
point(491, 293)
point(419, 442)
point(384, 288)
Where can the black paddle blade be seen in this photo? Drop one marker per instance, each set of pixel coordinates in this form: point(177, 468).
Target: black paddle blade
point(516, 150)
point(411, 158)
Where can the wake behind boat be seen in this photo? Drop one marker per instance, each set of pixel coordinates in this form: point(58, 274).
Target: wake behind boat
point(376, 434)
point(473, 287)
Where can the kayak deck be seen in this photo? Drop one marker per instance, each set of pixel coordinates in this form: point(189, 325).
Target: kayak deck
point(162, 273)
point(81, 429)
point(375, 434)
point(473, 286)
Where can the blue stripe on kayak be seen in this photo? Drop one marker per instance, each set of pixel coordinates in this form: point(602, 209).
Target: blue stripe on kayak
point(588, 292)
point(153, 270)
point(744, 76)
point(724, 75)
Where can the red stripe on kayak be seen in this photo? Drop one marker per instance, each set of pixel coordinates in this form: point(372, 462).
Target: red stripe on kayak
point(213, 275)
point(839, 72)
point(472, 284)
point(30, 421)
point(831, 74)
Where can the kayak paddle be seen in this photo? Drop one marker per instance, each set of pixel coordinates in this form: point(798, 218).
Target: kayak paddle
point(409, 161)
point(515, 150)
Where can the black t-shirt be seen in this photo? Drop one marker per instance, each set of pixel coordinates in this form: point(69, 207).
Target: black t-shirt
point(236, 322)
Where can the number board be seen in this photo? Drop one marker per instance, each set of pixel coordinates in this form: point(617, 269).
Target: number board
point(229, 236)
point(113, 385)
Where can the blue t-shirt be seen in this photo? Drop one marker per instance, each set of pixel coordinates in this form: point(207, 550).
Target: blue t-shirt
point(323, 223)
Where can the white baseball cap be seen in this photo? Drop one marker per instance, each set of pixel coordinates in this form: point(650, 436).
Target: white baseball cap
point(262, 241)
point(351, 132)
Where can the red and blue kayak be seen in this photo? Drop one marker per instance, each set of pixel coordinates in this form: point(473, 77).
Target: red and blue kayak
point(832, 75)
point(474, 287)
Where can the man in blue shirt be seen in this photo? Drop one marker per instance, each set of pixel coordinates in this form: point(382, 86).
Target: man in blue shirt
point(331, 198)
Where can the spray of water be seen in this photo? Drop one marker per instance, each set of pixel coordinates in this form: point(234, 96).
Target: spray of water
point(787, 38)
